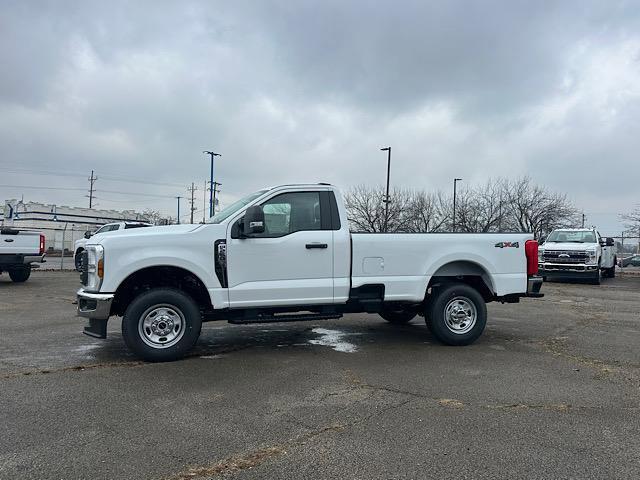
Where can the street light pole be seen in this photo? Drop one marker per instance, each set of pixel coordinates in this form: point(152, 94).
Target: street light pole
point(455, 181)
point(386, 199)
point(212, 154)
point(178, 219)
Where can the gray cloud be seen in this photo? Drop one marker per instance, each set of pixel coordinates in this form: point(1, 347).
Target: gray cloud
point(307, 91)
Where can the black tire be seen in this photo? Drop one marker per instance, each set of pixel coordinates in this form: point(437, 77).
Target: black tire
point(544, 279)
point(20, 274)
point(452, 297)
point(138, 337)
point(597, 277)
point(399, 316)
point(78, 260)
point(611, 272)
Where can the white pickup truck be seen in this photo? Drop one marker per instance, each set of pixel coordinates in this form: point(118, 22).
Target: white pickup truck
point(577, 253)
point(79, 245)
point(286, 254)
point(18, 250)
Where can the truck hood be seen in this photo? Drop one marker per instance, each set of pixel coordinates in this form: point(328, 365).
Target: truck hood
point(570, 246)
point(150, 234)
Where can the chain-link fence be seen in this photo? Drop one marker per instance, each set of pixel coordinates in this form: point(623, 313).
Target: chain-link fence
point(628, 253)
point(59, 245)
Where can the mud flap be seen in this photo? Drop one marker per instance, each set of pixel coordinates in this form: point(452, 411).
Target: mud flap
point(96, 328)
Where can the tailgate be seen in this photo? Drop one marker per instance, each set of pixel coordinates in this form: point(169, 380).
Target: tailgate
point(27, 243)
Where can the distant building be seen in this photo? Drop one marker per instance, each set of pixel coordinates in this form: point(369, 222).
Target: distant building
point(61, 225)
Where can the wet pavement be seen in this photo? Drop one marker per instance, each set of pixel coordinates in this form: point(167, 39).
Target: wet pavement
point(551, 390)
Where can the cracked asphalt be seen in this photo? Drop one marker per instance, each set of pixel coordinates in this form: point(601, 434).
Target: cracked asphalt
point(551, 390)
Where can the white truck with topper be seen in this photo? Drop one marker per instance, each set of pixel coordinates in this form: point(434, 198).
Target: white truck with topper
point(286, 254)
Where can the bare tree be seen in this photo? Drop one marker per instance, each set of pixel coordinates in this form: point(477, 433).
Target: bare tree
point(365, 207)
point(425, 212)
point(632, 221)
point(498, 205)
point(535, 209)
point(154, 216)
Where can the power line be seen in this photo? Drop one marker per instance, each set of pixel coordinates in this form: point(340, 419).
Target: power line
point(112, 178)
point(44, 188)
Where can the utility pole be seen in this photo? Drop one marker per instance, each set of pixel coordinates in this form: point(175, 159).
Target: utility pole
point(455, 181)
point(386, 197)
point(212, 154)
point(215, 190)
point(92, 179)
point(204, 203)
point(192, 190)
point(178, 209)
point(582, 219)
point(500, 213)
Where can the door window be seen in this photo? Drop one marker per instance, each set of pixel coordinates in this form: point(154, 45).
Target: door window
point(291, 212)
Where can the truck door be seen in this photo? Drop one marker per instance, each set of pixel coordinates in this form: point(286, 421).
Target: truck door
point(606, 260)
point(291, 263)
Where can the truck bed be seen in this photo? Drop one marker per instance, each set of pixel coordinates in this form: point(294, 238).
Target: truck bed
point(404, 263)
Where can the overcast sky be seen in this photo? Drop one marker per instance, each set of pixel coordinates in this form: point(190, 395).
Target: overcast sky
point(296, 91)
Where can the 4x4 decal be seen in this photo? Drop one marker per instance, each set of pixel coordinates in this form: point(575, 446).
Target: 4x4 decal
point(507, 245)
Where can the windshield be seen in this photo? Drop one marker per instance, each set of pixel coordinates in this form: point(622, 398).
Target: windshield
point(234, 207)
point(573, 236)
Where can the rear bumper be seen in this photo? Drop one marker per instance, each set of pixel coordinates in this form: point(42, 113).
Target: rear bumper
point(10, 259)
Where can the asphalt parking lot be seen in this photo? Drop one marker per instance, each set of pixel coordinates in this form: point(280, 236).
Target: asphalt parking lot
point(550, 391)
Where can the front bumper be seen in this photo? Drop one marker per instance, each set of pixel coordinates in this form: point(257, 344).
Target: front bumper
point(560, 270)
point(97, 308)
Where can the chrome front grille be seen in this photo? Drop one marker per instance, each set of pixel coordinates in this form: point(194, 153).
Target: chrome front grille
point(84, 271)
point(565, 256)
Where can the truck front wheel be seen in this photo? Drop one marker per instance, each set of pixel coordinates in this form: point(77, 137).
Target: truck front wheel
point(161, 325)
point(457, 314)
point(20, 274)
point(398, 316)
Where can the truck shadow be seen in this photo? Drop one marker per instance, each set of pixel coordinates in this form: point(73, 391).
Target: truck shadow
point(344, 337)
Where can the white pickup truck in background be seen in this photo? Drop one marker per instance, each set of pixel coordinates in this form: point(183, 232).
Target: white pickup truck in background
point(78, 245)
point(577, 253)
point(286, 254)
point(18, 250)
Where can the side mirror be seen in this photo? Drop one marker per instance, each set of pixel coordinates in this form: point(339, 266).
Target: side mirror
point(253, 221)
point(610, 242)
point(541, 240)
point(87, 234)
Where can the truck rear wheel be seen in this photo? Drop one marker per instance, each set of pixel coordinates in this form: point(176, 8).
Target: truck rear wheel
point(611, 272)
point(161, 325)
point(457, 314)
point(398, 316)
point(20, 274)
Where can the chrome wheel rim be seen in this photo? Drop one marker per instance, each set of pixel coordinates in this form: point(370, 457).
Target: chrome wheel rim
point(460, 315)
point(161, 326)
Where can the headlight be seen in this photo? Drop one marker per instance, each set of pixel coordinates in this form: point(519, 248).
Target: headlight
point(95, 267)
point(541, 255)
point(591, 256)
